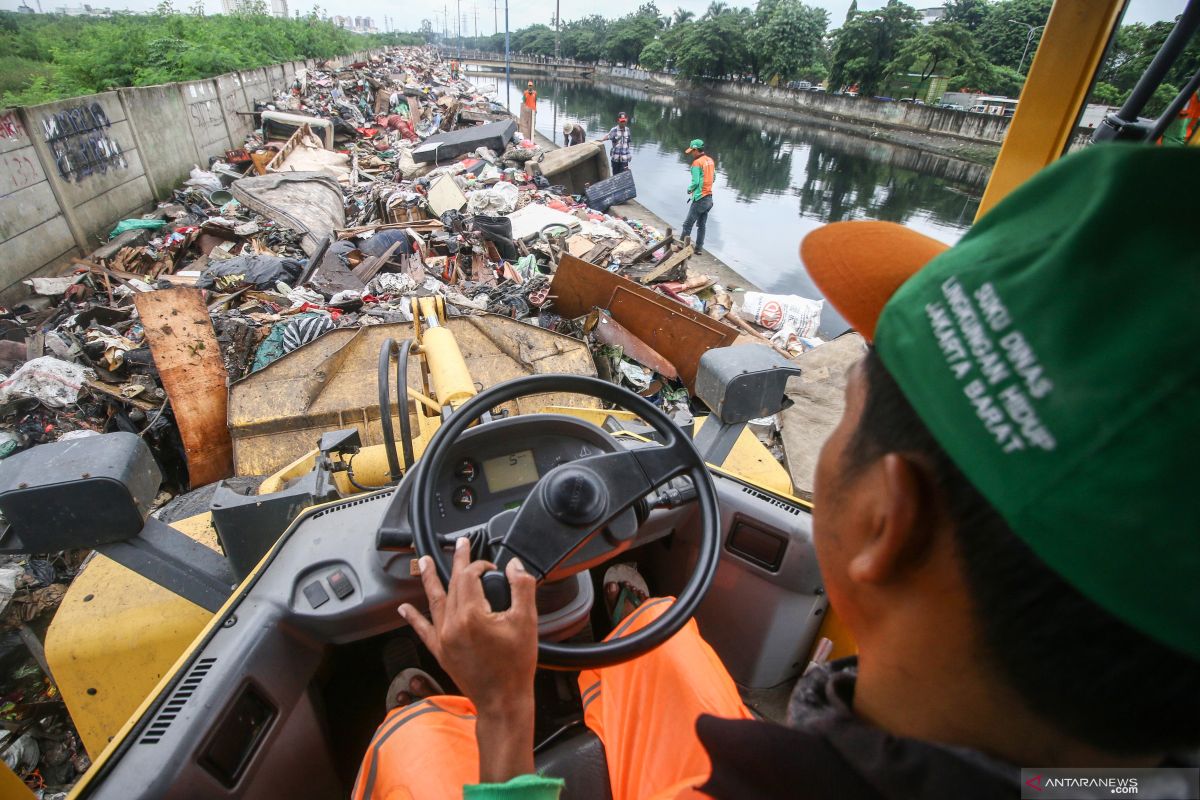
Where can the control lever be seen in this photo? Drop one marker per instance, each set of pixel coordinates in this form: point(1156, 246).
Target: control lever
point(673, 495)
point(496, 590)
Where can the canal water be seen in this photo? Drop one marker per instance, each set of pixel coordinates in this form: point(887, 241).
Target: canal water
point(775, 180)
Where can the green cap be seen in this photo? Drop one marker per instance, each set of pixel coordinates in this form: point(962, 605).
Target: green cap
point(697, 144)
point(1052, 353)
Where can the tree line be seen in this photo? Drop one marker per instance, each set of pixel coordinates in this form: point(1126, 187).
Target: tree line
point(46, 57)
point(977, 45)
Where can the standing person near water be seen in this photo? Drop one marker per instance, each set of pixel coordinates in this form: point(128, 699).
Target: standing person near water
point(528, 122)
point(699, 192)
point(621, 152)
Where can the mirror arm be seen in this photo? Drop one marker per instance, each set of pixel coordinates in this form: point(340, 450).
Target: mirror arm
point(176, 562)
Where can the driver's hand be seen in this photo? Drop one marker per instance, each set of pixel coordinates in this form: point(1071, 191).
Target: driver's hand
point(490, 655)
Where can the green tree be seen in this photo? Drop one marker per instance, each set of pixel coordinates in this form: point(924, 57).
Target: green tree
point(715, 47)
point(865, 47)
point(1003, 35)
point(1107, 94)
point(681, 16)
point(968, 13)
point(629, 35)
point(786, 41)
point(653, 57)
point(940, 48)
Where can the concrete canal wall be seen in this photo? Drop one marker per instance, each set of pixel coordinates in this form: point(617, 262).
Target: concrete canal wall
point(71, 169)
point(980, 128)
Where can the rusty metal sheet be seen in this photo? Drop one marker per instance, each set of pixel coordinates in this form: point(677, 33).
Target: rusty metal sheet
point(277, 414)
point(608, 331)
point(678, 333)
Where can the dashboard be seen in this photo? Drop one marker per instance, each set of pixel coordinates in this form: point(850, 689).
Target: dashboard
point(483, 476)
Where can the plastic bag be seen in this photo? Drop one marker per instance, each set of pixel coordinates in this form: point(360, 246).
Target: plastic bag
point(134, 224)
point(774, 311)
point(203, 179)
point(261, 271)
point(499, 199)
point(51, 381)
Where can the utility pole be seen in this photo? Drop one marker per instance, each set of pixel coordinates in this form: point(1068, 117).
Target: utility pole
point(557, 25)
point(458, 5)
point(1029, 36)
point(495, 16)
point(507, 64)
point(477, 24)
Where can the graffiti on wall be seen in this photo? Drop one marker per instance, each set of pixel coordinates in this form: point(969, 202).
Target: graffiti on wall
point(10, 126)
point(80, 142)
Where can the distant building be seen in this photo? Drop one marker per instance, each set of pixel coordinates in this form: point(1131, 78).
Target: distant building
point(83, 11)
point(932, 14)
point(279, 8)
point(1094, 114)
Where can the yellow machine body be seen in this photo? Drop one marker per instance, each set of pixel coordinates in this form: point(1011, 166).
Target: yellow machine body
point(115, 636)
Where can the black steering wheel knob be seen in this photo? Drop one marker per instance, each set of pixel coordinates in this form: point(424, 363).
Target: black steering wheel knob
point(574, 495)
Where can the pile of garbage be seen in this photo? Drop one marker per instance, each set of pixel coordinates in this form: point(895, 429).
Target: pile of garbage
point(37, 739)
point(360, 189)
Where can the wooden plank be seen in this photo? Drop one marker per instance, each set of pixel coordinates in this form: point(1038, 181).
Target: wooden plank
point(188, 358)
point(97, 386)
point(669, 263)
point(652, 247)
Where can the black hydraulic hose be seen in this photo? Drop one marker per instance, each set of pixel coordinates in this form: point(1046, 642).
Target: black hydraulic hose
point(1189, 20)
point(402, 402)
point(1160, 125)
point(385, 405)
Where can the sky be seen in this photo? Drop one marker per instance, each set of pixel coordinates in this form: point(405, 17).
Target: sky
point(408, 15)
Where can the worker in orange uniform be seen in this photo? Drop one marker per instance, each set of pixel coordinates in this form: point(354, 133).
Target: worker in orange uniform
point(528, 111)
point(699, 192)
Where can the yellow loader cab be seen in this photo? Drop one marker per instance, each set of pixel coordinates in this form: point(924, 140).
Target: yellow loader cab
point(277, 697)
point(272, 684)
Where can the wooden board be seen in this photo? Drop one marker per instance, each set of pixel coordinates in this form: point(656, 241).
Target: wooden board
point(669, 263)
point(185, 350)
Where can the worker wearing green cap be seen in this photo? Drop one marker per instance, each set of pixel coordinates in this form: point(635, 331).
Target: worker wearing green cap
point(699, 192)
point(1005, 521)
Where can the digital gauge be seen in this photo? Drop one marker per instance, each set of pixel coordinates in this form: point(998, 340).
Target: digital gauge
point(510, 471)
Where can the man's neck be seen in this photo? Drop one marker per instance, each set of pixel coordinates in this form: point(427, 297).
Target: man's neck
point(941, 694)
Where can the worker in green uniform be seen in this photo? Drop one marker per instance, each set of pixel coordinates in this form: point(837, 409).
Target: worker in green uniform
point(699, 192)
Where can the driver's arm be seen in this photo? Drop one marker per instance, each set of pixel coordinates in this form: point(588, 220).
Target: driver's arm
point(492, 658)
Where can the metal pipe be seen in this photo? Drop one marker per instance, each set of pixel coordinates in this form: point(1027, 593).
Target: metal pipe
point(1172, 111)
point(1189, 20)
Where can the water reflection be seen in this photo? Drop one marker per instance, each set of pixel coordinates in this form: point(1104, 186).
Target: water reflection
point(776, 180)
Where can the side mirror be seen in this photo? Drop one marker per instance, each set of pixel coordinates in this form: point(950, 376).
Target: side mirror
point(744, 382)
point(77, 494)
point(95, 494)
point(738, 384)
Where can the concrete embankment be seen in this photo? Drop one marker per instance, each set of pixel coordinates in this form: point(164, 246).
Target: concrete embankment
point(955, 134)
point(71, 169)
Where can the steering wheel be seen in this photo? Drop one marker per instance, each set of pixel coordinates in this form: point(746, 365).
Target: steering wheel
point(580, 507)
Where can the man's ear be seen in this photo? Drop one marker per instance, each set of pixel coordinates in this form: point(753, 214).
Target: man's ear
point(901, 517)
